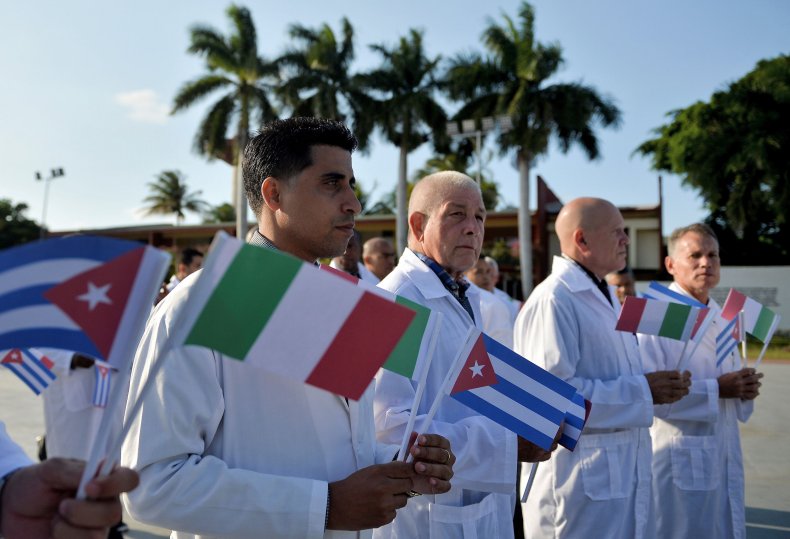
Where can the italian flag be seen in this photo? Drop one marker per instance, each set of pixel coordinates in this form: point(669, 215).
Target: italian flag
point(654, 317)
point(281, 314)
point(406, 356)
point(760, 322)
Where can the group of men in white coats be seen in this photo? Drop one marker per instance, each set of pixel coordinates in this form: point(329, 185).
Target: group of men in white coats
point(251, 454)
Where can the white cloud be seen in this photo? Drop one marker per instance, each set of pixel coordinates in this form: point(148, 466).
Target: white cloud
point(143, 106)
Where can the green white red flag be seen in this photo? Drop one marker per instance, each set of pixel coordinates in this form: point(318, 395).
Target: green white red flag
point(759, 321)
point(281, 314)
point(654, 317)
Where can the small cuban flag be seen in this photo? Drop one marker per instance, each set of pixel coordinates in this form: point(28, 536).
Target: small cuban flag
point(512, 391)
point(31, 366)
point(102, 385)
point(575, 420)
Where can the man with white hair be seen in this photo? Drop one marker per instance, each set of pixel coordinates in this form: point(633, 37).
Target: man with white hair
point(602, 488)
point(699, 433)
point(446, 226)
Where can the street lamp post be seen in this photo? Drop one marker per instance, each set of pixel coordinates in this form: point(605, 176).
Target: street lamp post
point(474, 128)
point(54, 173)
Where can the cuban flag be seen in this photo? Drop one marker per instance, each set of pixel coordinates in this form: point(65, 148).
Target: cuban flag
point(575, 420)
point(82, 293)
point(509, 389)
point(728, 338)
point(31, 366)
point(102, 384)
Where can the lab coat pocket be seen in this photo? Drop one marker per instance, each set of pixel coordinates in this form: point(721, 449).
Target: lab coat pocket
point(695, 462)
point(607, 470)
point(475, 521)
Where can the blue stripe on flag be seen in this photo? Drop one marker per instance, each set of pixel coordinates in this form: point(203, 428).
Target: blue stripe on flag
point(25, 297)
point(727, 331)
point(575, 421)
point(33, 359)
point(33, 375)
point(21, 376)
point(568, 442)
point(506, 420)
point(90, 247)
point(526, 367)
point(527, 400)
point(65, 339)
point(726, 353)
point(672, 295)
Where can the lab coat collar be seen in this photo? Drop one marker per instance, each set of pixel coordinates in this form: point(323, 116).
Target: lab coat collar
point(572, 276)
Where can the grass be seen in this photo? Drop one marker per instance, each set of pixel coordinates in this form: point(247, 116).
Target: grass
point(778, 349)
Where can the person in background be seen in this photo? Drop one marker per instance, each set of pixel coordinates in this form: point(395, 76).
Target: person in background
point(189, 261)
point(350, 260)
point(378, 255)
point(513, 304)
point(494, 312)
point(623, 282)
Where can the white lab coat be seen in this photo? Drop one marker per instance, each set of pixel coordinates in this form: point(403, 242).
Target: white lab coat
point(602, 489)
point(12, 456)
point(481, 501)
point(513, 304)
point(697, 463)
point(495, 316)
point(226, 450)
point(71, 420)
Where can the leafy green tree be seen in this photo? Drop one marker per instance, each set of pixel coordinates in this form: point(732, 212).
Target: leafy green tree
point(15, 228)
point(234, 67)
point(734, 151)
point(317, 78)
point(405, 85)
point(169, 194)
point(512, 80)
point(221, 213)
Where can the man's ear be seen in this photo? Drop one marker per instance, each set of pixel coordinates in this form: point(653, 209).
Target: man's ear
point(417, 222)
point(270, 192)
point(580, 242)
point(669, 264)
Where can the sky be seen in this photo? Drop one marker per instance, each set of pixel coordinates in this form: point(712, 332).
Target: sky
point(87, 86)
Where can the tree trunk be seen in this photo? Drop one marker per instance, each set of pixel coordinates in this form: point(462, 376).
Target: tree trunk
point(524, 223)
point(241, 198)
point(401, 204)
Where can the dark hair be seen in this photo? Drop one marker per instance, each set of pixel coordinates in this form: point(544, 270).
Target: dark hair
point(282, 149)
point(188, 255)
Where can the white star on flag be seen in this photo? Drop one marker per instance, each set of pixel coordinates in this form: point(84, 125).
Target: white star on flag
point(96, 295)
point(477, 369)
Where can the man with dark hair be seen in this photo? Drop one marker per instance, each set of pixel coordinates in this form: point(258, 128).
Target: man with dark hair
point(189, 261)
point(700, 432)
point(224, 450)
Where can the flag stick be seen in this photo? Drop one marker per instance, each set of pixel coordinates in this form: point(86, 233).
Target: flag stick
point(452, 374)
point(682, 359)
point(403, 453)
point(109, 463)
point(744, 359)
point(771, 331)
point(531, 480)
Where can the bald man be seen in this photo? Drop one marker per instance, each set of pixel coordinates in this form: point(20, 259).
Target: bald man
point(378, 256)
point(446, 220)
point(602, 488)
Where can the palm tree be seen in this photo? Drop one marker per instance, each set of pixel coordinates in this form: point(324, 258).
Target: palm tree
point(407, 113)
point(511, 81)
point(233, 66)
point(169, 195)
point(317, 79)
point(222, 213)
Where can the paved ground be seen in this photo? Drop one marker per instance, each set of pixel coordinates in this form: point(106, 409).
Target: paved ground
point(766, 439)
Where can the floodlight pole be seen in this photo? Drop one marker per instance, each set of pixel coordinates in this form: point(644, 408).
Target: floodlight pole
point(54, 173)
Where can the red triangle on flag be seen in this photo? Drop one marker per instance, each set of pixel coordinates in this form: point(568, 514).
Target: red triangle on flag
point(96, 299)
point(13, 356)
point(477, 370)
